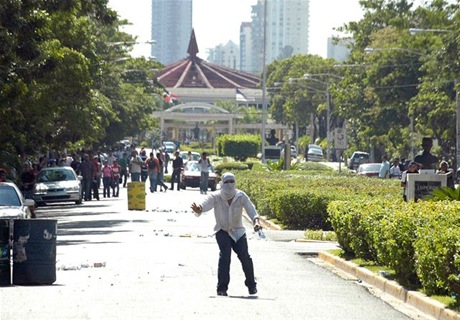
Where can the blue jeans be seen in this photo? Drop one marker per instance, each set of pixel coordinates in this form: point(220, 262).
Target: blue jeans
point(226, 244)
point(135, 176)
point(86, 188)
point(204, 181)
point(175, 177)
point(116, 186)
point(153, 180)
point(106, 184)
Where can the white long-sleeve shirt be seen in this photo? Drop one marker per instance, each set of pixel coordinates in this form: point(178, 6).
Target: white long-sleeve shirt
point(230, 217)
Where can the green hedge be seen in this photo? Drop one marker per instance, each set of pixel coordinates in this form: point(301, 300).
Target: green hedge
point(239, 147)
point(299, 199)
point(437, 249)
point(420, 241)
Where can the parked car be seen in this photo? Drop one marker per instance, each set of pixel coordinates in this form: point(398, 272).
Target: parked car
point(357, 158)
point(314, 153)
point(13, 205)
point(191, 176)
point(184, 155)
point(57, 184)
point(293, 151)
point(169, 146)
point(369, 169)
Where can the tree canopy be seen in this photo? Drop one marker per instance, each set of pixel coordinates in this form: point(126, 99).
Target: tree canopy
point(62, 80)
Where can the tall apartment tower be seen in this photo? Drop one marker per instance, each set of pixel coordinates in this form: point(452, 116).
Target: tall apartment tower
point(225, 55)
point(171, 28)
point(338, 50)
point(245, 46)
point(287, 26)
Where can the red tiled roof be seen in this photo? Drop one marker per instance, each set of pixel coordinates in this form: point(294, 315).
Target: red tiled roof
point(193, 72)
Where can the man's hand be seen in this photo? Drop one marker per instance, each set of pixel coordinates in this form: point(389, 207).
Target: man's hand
point(196, 208)
point(257, 225)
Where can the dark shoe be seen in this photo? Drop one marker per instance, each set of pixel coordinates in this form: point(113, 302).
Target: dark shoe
point(222, 293)
point(252, 290)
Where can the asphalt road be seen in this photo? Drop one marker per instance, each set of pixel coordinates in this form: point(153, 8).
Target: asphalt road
point(161, 263)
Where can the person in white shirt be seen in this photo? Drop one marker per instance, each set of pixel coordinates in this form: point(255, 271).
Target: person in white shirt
point(204, 168)
point(384, 168)
point(135, 166)
point(395, 171)
point(413, 169)
point(228, 204)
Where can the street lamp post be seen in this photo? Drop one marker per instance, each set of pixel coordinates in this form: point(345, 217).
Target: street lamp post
point(328, 110)
point(264, 83)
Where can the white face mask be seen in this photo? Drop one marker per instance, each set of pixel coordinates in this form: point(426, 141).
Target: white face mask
point(228, 190)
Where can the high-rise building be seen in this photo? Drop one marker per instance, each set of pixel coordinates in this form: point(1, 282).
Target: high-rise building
point(171, 28)
point(225, 55)
point(287, 26)
point(245, 46)
point(338, 49)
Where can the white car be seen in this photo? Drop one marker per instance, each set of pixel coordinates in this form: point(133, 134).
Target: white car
point(12, 202)
point(314, 153)
point(195, 156)
point(57, 184)
point(169, 146)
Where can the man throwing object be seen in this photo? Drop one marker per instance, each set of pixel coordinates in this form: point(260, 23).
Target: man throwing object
point(228, 204)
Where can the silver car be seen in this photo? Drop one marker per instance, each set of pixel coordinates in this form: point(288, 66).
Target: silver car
point(314, 153)
point(57, 184)
point(12, 202)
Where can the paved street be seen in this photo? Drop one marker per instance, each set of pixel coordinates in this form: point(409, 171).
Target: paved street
point(162, 264)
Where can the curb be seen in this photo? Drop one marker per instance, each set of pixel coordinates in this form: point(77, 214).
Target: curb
point(415, 299)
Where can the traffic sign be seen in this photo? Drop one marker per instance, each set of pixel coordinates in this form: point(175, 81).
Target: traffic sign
point(340, 138)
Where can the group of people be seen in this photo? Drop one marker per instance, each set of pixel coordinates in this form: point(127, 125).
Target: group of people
point(425, 162)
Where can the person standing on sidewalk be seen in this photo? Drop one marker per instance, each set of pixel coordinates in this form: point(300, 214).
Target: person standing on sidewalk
point(106, 179)
point(135, 166)
point(123, 162)
point(204, 168)
point(177, 165)
point(116, 174)
point(228, 204)
point(152, 171)
point(87, 171)
point(161, 175)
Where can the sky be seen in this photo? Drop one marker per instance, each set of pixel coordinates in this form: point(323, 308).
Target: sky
point(218, 21)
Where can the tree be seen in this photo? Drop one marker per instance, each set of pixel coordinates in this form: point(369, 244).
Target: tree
point(294, 99)
point(60, 83)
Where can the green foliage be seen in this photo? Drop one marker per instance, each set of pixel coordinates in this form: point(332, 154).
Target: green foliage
point(61, 85)
point(444, 193)
point(265, 187)
point(239, 147)
point(275, 166)
point(300, 209)
point(314, 166)
point(419, 241)
point(438, 248)
point(230, 167)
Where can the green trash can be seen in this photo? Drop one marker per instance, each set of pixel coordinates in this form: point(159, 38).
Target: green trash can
point(34, 251)
point(5, 256)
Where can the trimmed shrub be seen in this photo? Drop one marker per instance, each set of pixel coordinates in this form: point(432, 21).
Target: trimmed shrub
point(239, 147)
point(437, 248)
point(300, 209)
point(230, 166)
